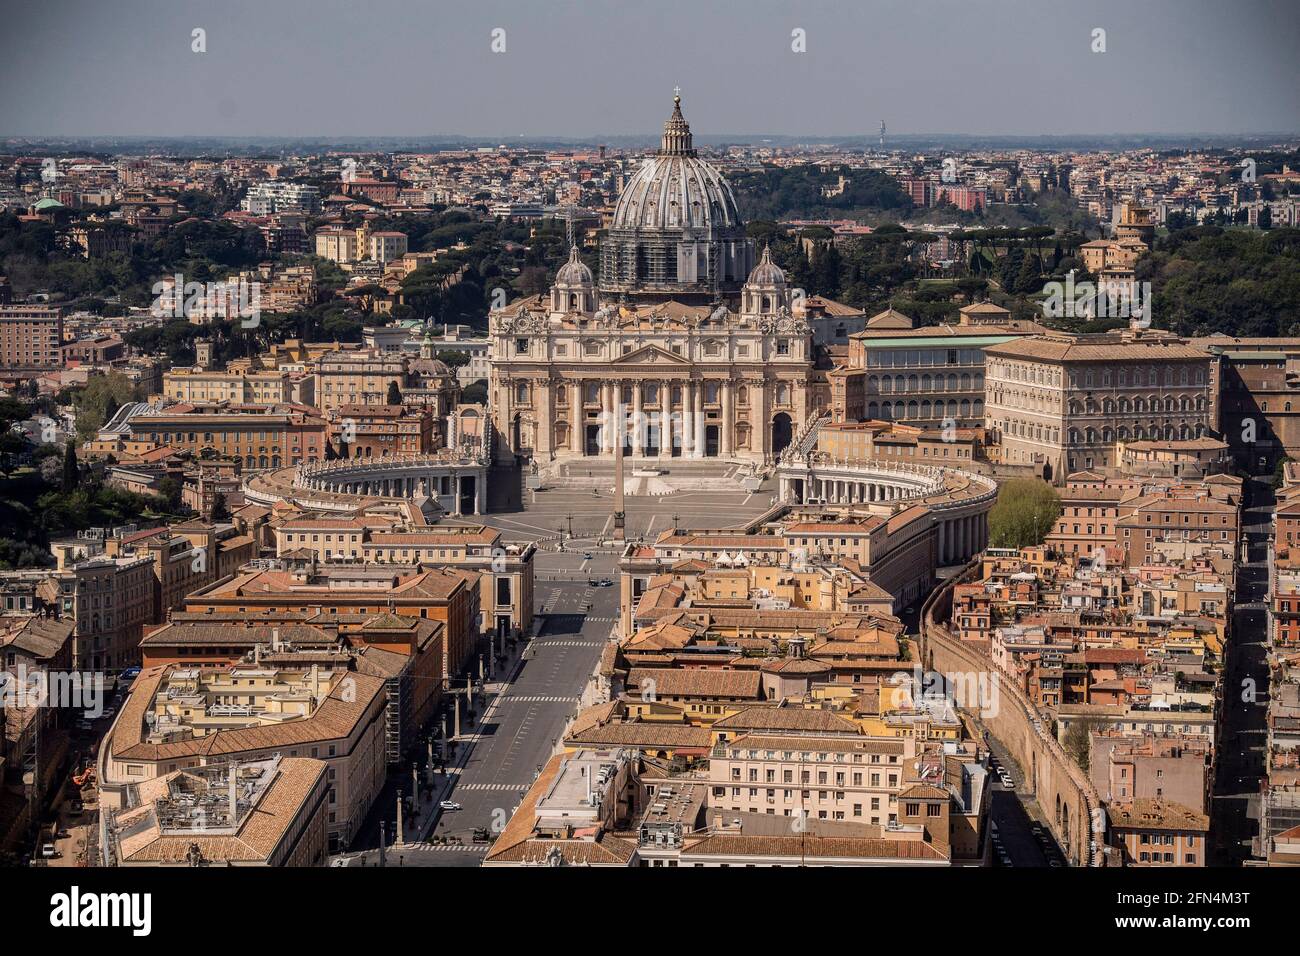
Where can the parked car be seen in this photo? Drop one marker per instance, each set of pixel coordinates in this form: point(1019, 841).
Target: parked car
point(449, 805)
point(48, 852)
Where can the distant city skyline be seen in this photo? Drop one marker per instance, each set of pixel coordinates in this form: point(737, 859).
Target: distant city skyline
point(405, 68)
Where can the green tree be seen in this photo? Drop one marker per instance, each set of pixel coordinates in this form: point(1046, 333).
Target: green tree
point(220, 510)
point(1279, 473)
point(453, 358)
point(92, 402)
point(1078, 741)
point(1024, 513)
point(71, 473)
point(394, 394)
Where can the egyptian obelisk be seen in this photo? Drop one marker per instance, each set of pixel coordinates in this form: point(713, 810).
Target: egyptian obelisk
point(619, 434)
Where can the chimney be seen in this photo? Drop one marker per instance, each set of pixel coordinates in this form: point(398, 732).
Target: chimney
point(234, 796)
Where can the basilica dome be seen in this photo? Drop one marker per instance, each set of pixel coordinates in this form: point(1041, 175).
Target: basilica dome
point(676, 230)
point(574, 272)
point(675, 188)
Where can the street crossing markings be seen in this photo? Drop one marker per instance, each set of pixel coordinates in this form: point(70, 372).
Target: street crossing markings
point(459, 848)
point(494, 786)
point(541, 699)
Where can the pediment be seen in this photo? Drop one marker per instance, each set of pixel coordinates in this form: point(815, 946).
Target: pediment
point(650, 355)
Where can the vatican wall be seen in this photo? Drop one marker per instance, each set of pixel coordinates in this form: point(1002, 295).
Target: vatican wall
point(1063, 791)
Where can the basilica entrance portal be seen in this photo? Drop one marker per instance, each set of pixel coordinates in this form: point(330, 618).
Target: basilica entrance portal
point(782, 433)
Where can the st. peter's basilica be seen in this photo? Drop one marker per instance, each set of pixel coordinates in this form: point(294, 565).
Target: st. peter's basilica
point(686, 346)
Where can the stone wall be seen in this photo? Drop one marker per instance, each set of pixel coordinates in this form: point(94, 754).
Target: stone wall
point(1062, 789)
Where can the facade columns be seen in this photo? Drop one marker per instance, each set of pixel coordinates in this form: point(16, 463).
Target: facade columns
point(638, 422)
point(606, 418)
point(577, 420)
point(544, 408)
point(688, 418)
point(699, 420)
point(728, 419)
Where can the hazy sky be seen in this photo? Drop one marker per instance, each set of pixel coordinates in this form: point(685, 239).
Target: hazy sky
point(597, 68)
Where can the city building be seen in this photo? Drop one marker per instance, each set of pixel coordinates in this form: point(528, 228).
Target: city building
point(181, 717)
point(31, 338)
point(1061, 403)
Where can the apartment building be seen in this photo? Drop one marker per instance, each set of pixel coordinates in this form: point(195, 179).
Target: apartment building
point(831, 777)
point(385, 247)
point(1158, 833)
point(449, 595)
point(268, 812)
point(378, 431)
point(278, 196)
point(506, 571)
point(266, 437)
point(110, 600)
point(180, 717)
point(337, 243)
point(31, 337)
point(239, 386)
point(1149, 767)
point(357, 378)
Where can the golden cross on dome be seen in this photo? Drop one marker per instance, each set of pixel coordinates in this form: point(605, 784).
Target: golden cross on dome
point(677, 93)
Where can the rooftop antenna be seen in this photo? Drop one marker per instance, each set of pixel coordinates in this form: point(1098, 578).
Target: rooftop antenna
point(882, 134)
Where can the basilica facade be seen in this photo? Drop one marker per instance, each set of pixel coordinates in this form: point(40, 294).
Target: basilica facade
point(686, 348)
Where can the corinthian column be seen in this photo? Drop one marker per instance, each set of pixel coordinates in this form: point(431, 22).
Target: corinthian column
point(638, 422)
point(686, 426)
point(699, 420)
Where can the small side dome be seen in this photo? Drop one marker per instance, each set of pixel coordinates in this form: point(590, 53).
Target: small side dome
point(574, 272)
point(767, 274)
